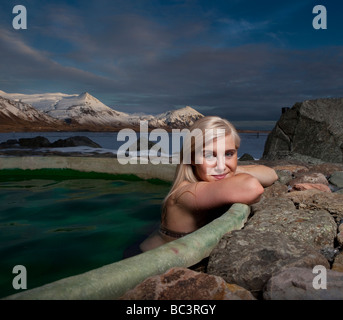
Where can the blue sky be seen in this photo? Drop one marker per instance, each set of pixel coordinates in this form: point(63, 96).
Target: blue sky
point(243, 60)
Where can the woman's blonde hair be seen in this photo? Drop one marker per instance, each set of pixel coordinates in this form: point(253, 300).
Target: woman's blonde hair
point(199, 131)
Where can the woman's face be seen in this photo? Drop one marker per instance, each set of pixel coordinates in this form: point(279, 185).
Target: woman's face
point(219, 160)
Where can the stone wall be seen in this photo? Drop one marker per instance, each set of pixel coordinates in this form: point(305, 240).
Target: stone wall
point(290, 234)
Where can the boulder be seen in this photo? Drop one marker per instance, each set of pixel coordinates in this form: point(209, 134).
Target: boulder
point(11, 143)
point(291, 168)
point(250, 257)
point(74, 142)
point(308, 186)
point(336, 179)
point(277, 214)
point(37, 142)
point(136, 146)
point(275, 190)
point(287, 172)
point(42, 142)
point(305, 284)
point(184, 284)
point(327, 169)
point(246, 157)
point(310, 131)
point(340, 238)
point(338, 263)
point(284, 176)
point(317, 200)
point(306, 177)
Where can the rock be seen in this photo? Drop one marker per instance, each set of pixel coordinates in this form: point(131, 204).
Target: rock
point(329, 253)
point(337, 179)
point(309, 131)
point(10, 143)
point(42, 142)
point(291, 168)
point(37, 142)
point(308, 186)
point(249, 257)
point(287, 172)
point(340, 238)
point(340, 225)
point(340, 233)
point(317, 200)
point(74, 142)
point(184, 284)
point(293, 157)
point(277, 214)
point(298, 284)
point(137, 145)
point(338, 263)
point(275, 190)
point(246, 157)
point(313, 178)
point(284, 176)
point(326, 168)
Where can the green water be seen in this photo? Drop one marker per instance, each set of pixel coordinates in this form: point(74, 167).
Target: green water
point(58, 228)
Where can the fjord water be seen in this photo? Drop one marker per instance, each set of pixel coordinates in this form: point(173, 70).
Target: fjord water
point(63, 228)
point(252, 143)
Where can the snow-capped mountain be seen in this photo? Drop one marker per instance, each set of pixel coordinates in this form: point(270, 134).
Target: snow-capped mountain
point(90, 113)
point(180, 118)
point(16, 114)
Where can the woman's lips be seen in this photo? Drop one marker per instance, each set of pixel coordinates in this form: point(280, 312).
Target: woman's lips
point(219, 176)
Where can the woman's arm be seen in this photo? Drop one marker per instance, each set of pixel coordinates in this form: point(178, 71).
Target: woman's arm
point(265, 175)
point(242, 188)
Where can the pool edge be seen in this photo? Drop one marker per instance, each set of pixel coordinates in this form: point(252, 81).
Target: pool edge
point(113, 280)
point(110, 165)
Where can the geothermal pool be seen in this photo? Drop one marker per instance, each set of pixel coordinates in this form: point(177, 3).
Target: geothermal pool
point(62, 225)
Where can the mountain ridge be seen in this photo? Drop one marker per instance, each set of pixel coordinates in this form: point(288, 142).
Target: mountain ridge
point(82, 112)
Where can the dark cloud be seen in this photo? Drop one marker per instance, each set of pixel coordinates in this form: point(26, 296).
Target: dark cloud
point(152, 58)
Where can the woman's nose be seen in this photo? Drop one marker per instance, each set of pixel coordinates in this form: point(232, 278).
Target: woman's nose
point(220, 164)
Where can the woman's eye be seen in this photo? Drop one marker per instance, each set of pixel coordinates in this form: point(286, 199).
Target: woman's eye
point(208, 156)
point(230, 154)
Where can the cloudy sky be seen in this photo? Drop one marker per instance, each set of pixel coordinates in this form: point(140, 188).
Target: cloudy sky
point(243, 60)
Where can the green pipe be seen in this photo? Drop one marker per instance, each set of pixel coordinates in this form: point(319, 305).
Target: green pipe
point(113, 280)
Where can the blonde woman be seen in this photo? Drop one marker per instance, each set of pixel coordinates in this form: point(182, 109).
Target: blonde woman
point(208, 181)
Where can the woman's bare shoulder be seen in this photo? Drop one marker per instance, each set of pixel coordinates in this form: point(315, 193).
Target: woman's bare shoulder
point(185, 192)
point(183, 187)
